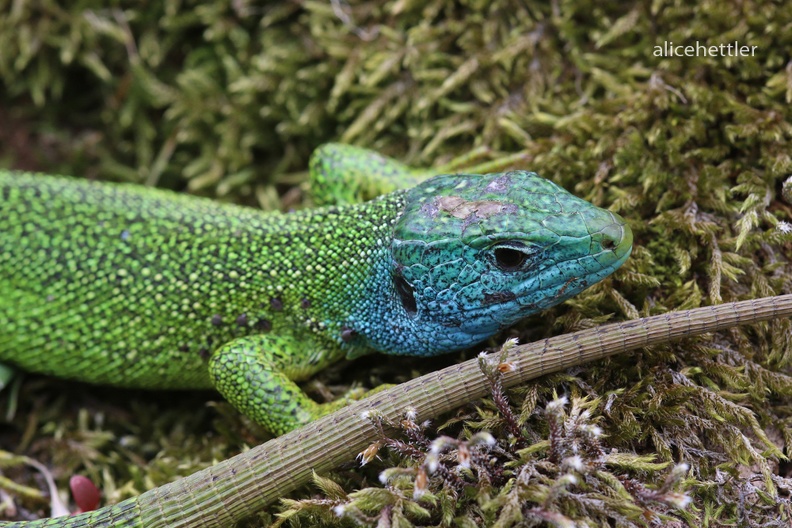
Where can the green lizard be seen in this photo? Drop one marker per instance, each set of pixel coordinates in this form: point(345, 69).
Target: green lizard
point(135, 287)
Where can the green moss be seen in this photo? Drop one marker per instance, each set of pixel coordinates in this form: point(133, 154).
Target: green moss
point(562, 478)
point(227, 99)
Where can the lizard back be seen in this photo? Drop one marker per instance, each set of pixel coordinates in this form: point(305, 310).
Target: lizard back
point(130, 286)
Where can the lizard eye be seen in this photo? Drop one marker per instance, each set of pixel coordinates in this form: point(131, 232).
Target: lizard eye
point(513, 256)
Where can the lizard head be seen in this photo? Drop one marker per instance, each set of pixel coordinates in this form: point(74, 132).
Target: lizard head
point(473, 254)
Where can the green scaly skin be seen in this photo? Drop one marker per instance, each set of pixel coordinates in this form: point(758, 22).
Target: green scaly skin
point(135, 287)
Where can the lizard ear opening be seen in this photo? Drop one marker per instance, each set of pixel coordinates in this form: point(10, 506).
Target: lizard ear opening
point(405, 291)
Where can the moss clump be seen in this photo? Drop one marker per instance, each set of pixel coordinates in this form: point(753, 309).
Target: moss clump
point(555, 472)
point(228, 98)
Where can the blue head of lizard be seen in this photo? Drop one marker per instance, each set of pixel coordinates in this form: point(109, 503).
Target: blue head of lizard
point(473, 254)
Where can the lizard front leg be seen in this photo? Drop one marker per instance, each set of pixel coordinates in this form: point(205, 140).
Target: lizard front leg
point(257, 375)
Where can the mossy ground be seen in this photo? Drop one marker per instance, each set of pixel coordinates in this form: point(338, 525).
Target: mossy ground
point(227, 99)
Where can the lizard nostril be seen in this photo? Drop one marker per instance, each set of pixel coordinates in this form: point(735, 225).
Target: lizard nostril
point(616, 237)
